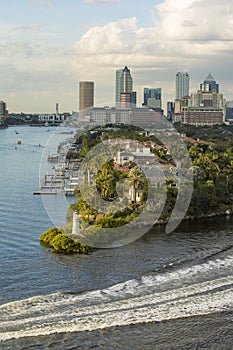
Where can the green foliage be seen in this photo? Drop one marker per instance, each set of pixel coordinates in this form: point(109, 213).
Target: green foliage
point(48, 235)
point(106, 180)
point(61, 243)
point(212, 164)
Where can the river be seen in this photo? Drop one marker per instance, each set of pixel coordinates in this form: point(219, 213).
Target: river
point(163, 291)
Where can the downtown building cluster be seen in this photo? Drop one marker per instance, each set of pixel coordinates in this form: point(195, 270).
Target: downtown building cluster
point(125, 110)
point(206, 106)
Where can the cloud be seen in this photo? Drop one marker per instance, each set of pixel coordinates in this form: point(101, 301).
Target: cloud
point(11, 48)
point(111, 38)
point(32, 26)
point(195, 20)
point(101, 1)
point(44, 3)
point(184, 30)
point(192, 35)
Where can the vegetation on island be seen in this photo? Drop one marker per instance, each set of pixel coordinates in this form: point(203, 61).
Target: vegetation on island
point(212, 160)
point(211, 152)
point(61, 243)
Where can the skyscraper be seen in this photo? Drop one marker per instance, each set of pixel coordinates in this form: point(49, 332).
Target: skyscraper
point(209, 84)
point(86, 94)
point(152, 98)
point(119, 87)
point(3, 112)
point(124, 83)
point(182, 85)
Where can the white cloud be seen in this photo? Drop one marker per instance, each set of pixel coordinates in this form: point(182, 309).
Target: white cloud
point(31, 26)
point(101, 1)
point(111, 38)
point(44, 3)
point(12, 48)
point(193, 35)
point(195, 20)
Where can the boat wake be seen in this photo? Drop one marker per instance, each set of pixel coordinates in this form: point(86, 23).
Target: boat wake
point(182, 292)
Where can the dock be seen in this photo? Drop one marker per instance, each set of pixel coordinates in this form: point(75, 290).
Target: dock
point(63, 175)
point(44, 192)
point(60, 178)
point(69, 191)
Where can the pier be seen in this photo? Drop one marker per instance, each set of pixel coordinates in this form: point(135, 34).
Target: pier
point(43, 192)
point(61, 178)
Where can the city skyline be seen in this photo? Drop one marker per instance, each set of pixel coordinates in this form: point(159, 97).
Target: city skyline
point(48, 46)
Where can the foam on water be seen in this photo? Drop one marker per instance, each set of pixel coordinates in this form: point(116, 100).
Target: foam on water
point(131, 302)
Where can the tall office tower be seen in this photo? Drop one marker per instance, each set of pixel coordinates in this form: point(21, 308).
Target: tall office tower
point(209, 84)
point(182, 85)
point(170, 110)
point(229, 110)
point(2, 109)
point(134, 99)
point(3, 112)
point(86, 94)
point(152, 98)
point(126, 100)
point(124, 83)
point(119, 87)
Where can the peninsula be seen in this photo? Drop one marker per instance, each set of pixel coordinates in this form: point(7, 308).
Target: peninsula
point(211, 152)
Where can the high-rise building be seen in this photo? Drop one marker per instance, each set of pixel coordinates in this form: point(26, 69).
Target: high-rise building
point(119, 87)
point(3, 112)
point(203, 108)
point(126, 100)
point(86, 94)
point(209, 84)
point(170, 110)
point(207, 99)
point(182, 85)
point(229, 110)
point(134, 99)
point(124, 84)
point(152, 98)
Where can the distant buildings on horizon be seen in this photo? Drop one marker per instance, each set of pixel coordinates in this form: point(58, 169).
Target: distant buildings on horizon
point(206, 106)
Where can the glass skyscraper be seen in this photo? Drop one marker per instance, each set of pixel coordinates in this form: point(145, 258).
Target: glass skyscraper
point(154, 93)
point(209, 84)
point(124, 84)
point(182, 85)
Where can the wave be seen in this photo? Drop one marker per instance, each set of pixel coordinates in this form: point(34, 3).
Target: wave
point(184, 292)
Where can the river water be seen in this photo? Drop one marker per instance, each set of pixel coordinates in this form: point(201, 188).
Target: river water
point(164, 291)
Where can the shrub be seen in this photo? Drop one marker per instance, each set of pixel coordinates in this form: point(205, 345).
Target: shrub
point(60, 242)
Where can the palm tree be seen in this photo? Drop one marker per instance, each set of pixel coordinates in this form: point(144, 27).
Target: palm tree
point(137, 180)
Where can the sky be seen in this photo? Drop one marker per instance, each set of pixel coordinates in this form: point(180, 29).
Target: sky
point(48, 46)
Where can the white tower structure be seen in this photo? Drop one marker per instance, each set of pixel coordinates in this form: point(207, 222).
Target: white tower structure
point(75, 227)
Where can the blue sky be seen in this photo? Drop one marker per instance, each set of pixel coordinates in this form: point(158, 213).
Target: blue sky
point(48, 46)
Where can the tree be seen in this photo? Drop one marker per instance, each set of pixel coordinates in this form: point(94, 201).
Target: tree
point(137, 179)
